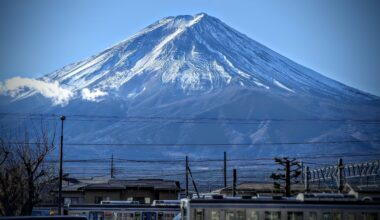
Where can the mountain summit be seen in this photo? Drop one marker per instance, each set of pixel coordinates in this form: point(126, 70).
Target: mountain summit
point(194, 54)
point(198, 67)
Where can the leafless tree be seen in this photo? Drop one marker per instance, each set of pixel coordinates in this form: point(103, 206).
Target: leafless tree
point(4, 154)
point(23, 173)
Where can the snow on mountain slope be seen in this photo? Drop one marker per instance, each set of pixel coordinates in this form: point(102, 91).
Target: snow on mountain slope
point(197, 54)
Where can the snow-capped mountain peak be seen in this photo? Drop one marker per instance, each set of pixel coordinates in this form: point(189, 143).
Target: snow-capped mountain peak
point(193, 54)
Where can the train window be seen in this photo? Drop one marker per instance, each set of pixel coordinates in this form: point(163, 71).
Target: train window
point(148, 215)
point(351, 216)
point(369, 216)
point(199, 214)
point(168, 216)
point(272, 215)
point(96, 216)
point(137, 216)
point(145, 215)
point(312, 216)
point(119, 216)
point(128, 216)
point(229, 215)
point(108, 215)
point(337, 216)
point(326, 216)
point(160, 216)
point(295, 215)
point(252, 215)
point(240, 214)
point(215, 215)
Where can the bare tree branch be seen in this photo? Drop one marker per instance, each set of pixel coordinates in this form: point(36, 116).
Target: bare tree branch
point(23, 175)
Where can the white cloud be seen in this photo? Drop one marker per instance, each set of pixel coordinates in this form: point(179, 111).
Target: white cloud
point(18, 87)
point(94, 95)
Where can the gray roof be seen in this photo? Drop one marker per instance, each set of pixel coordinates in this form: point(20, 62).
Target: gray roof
point(102, 186)
point(156, 184)
point(73, 187)
point(120, 184)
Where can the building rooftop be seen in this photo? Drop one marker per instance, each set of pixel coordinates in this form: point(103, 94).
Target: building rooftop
point(72, 184)
point(252, 188)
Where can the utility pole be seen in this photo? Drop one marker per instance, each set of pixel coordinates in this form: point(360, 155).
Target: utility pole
point(307, 179)
point(287, 178)
point(187, 177)
point(340, 167)
point(303, 172)
point(234, 183)
point(60, 169)
point(290, 175)
point(193, 181)
point(112, 168)
point(225, 169)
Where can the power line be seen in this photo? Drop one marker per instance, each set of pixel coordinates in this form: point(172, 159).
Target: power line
point(244, 168)
point(211, 160)
point(204, 144)
point(160, 119)
point(180, 161)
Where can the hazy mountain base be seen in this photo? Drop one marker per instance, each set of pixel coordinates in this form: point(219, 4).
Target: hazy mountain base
point(229, 103)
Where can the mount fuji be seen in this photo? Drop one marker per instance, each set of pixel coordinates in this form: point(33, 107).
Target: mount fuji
point(184, 68)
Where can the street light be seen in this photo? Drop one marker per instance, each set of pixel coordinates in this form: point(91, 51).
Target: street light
point(60, 169)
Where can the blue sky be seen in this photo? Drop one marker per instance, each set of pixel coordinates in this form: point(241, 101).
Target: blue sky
point(338, 38)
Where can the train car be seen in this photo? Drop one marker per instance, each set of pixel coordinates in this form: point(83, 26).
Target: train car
point(308, 207)
point(117, 211)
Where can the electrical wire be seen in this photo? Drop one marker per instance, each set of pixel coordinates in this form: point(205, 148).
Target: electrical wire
point(79, 117)
point(206, 144)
